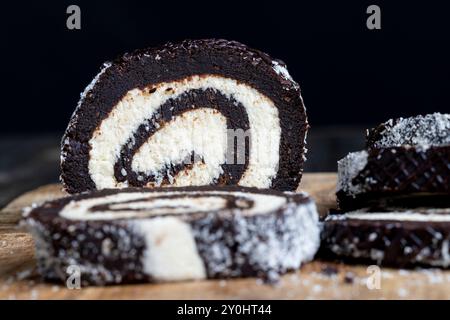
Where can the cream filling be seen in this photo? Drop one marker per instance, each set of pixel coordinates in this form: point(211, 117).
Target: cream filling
point(400, 216)
point(203, 131)
point(153, 205)
point(139, 105)
point(197, 175)
point(171, 253)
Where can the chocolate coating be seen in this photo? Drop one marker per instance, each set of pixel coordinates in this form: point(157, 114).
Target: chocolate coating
point(406, 175)
point(229, 242)
point(393, 243)
point(171, 62)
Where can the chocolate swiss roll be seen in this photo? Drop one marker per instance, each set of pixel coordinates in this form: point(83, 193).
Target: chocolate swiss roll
point(173, 234)
point(407, 162)
point(407, 176)
point(407, 238)
point(199, 112)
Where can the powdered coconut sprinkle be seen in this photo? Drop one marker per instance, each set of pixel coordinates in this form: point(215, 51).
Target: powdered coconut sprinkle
point(420, 131)
point(348, 168)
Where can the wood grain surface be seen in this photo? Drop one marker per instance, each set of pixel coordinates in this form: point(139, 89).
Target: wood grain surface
point(315, 280)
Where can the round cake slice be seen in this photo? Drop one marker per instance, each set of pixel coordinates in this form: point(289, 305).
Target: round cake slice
point(407, 238)
point(199, 112)
point(173, 234)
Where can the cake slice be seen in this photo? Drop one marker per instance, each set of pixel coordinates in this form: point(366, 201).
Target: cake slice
point(407, 161)
point(395, 197)
point(393, 237)
point(199, 112)
point(172, 234)
point(391, 176)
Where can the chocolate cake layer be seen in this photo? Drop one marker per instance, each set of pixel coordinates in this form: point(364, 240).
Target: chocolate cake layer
point(148, 112)
point(416, 237)
point(406, 176)
point(421, 131)
point(171, 234)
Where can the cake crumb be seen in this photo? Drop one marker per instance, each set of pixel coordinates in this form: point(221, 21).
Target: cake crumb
point(349, 278)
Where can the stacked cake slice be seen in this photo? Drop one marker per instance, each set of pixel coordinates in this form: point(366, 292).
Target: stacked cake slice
point(164, 154)
point(395, 196)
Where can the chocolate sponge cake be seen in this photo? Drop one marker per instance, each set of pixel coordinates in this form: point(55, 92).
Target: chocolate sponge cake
point(199, 112)
point(395, 197)
point(402, 238)
point(408, 176)
point(407, 161)
point(171, 234)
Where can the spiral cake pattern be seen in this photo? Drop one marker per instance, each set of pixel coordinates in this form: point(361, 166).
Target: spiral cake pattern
point(171, 234)
point(202, 112)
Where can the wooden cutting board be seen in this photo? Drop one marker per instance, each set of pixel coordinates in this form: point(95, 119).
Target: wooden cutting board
point(316, 280)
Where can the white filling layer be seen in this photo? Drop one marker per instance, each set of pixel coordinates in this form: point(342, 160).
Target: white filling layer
point(171, 253)
point(137, 106)
point(203, 131)
point(396, 216)
point(152, 205)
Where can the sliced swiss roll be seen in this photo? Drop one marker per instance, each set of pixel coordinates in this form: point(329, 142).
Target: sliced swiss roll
point(201, 112)
point(399, 176)
point(407, 162)
point(173, 234)
point(396, 238)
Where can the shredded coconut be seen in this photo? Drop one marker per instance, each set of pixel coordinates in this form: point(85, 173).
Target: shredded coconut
point(423, 131)
point(348, 168)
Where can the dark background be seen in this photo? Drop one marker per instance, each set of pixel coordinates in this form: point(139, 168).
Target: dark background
point(348, 73)
point(351, 77)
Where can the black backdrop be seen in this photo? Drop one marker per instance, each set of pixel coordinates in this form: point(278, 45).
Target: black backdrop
point(348, 74)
